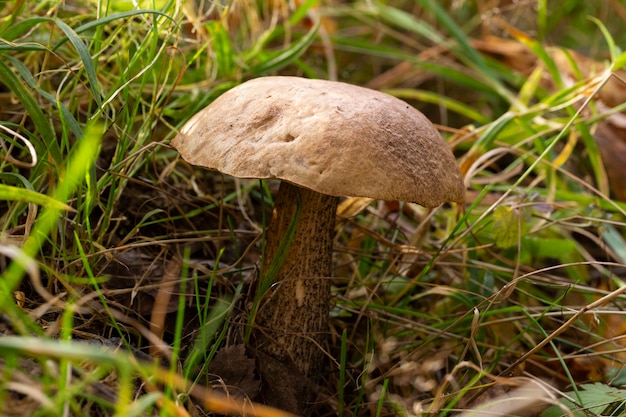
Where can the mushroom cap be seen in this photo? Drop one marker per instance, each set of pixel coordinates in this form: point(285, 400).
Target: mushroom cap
point(331, 137)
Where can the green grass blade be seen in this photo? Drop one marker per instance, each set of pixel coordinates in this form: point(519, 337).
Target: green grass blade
point(544, 56)
point(460, 77)
point(40, 347)
point(613, 50)
point(620, 62)
point(32, 83)
point(302, 11)
point(48, 143)
point(268, 276)
point(85, 57)
point(79, 163)
point(342, 372)
point(615, 241)
point(279, 60)
point(109, 19)
point(404, 20)
point(12, 193)
point(19, 28)
point(446, 102)
point(223, 49)
point(469, 54)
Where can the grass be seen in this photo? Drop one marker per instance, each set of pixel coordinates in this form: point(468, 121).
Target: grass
point(123, 268)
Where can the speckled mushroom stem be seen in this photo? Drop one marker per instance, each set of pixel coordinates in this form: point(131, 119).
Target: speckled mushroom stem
point(292, 321)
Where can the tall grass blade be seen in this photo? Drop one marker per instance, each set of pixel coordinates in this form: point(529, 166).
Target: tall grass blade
point(48, 143)
point(32, 83)
point(276, 61)
point(79, 163)
point(11, 193)
point(86, 59)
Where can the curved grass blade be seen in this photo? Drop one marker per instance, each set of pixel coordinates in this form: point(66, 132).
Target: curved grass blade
point(409, 22)
point(85, 57)
point(288, 55)
point(19, 28)
point(223, 48)
point(78, 165)
point(607, 37)
point(32, 83)
point(447, 102)
point(460, 77)
point(42, 123)
point(469, 54)
point(12, 47)
point(13, 193)
point(108, 19)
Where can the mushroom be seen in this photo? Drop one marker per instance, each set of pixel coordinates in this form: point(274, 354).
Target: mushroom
point(324, 140)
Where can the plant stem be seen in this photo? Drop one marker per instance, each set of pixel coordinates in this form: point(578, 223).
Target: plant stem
point(292, 321)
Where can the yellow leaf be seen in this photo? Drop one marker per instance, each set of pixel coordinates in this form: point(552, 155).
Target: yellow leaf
point(506, 226)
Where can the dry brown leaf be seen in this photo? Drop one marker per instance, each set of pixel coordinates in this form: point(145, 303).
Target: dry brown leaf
point(235, 372)
point(526, 400)
point(283, 386)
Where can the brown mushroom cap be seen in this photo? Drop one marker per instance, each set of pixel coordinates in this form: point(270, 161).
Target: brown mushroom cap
point(334, 138)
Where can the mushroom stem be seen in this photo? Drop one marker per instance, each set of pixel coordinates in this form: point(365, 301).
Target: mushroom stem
point(292, 320)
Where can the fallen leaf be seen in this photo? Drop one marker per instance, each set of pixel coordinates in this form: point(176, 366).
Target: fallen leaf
point(234, 372)
point(283, 386)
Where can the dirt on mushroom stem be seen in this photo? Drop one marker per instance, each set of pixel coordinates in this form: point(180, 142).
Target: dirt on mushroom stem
point(292, 320)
